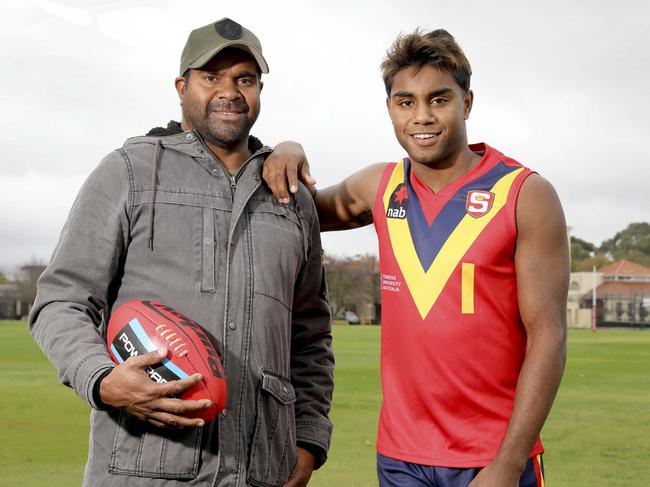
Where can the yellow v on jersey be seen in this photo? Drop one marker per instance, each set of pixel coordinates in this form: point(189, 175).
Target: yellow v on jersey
point(427, 254)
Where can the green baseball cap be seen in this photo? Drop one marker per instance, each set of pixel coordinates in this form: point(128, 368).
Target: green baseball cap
point(203, 43)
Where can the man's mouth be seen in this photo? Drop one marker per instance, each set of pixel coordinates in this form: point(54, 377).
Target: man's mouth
point(227, 111)
point(228, 114)
point(426, 138)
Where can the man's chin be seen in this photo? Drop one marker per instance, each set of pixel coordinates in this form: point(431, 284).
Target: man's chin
point(226, 142)
point(426, 158)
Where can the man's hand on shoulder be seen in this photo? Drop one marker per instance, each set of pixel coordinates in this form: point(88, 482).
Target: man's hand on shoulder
point(127, 387)
point(341, 206)
point(284, 167)
point(303, 469)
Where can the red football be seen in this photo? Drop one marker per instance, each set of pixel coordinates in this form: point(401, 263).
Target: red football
point(139, 327)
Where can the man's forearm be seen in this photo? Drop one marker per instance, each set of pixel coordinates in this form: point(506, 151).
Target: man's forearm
point(333, 215)
point(537, 387)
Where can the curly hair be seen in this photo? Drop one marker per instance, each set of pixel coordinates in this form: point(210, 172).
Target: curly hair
point(436, 48)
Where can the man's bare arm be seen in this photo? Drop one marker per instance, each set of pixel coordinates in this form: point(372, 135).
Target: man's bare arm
point(349, 203)
point(341, 206)
point(542, 264)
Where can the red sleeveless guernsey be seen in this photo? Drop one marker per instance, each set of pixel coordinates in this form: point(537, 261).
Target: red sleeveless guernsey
point(452, 337)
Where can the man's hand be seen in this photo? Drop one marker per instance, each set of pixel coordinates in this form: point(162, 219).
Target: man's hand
point(301, 473)
point(129, 388)
point(497, 476)
point(286, 164)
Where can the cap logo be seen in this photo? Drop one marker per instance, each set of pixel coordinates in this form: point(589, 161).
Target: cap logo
point(228, 29)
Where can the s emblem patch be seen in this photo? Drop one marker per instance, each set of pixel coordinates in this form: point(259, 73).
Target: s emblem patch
point(479, 202)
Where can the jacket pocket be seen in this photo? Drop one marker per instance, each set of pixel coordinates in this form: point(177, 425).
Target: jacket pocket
point(279, 249)
point(273, 451)
point(209, 255)
point(142, 450)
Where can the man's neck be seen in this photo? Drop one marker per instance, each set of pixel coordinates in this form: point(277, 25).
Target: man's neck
point(440, 175)
point(231, 158)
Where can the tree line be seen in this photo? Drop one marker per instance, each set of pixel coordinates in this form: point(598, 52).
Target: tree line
point(632, 243)
point(353, 281)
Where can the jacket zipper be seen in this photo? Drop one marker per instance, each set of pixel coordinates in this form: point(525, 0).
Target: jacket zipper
point(233, 178)
point(233, 187)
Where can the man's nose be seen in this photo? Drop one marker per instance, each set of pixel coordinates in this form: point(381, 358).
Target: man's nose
point(229, 90)
point(424, 114)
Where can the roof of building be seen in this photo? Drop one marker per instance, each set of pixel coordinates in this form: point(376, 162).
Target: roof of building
point(624, 268)
point(621, 289)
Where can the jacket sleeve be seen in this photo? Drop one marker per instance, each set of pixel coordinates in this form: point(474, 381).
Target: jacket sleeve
point(77, 283)
point(312, 359)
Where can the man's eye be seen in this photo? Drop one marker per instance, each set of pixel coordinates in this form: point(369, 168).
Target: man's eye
point(210, 77)
point(245, 81)
point(406, 103)
point(438, 101)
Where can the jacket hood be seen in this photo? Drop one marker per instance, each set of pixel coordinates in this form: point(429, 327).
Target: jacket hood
point(174, 127)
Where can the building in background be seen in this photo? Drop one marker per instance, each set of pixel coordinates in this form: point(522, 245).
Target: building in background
point(17, 295)
point(579, 311)
point(622, 296)
point(11, 306)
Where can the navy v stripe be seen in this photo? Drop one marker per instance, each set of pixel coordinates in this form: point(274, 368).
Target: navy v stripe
point(428, 240)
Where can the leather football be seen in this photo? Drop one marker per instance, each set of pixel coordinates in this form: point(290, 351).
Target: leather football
point(140, 327)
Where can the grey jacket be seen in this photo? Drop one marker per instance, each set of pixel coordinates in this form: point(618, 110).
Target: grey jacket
point(223, 252)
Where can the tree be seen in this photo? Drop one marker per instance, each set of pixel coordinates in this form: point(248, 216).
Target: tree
point(26, 281)
point(3, 278)
point(599, 260)
point(352, 281)
point(633, 244)
point(580, 251)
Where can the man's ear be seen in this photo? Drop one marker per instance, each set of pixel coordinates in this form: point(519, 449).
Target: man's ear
point(181, 86)
point(261, 85)
point(388, 108)
point(467, 104)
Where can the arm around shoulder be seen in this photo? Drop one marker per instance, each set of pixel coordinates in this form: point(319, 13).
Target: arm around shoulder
point(349, 203)
point(341, 206)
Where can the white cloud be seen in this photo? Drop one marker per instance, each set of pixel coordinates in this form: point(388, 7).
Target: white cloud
point(559, 85)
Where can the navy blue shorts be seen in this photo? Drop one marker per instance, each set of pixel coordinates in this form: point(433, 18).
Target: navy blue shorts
point(396, 473)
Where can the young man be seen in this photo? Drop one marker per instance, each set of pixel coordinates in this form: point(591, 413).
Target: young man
point(181, 216)
point(474, 274)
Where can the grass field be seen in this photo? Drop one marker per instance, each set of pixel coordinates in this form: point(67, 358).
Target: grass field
point(597, 435)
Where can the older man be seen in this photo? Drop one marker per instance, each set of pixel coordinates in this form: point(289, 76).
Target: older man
point(181, 216)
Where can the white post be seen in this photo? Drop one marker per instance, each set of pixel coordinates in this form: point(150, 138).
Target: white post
point(593, 299)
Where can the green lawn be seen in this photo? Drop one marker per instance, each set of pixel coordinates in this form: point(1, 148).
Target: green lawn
point(598, 433)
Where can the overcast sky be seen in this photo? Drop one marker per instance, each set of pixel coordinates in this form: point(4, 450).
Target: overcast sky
point(562, 86)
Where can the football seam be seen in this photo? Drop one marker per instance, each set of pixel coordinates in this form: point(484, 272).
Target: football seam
point(182, 330)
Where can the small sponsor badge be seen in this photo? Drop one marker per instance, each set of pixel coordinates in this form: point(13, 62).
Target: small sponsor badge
point(398, 203)
point(479, 202)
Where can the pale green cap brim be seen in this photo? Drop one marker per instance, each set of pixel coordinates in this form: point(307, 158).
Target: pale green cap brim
point(205, 57)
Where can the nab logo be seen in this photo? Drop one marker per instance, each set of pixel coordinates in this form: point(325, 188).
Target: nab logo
point(479, 202)
point(398, 203)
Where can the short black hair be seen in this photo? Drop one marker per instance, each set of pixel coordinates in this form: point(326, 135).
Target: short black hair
point(436, 48)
